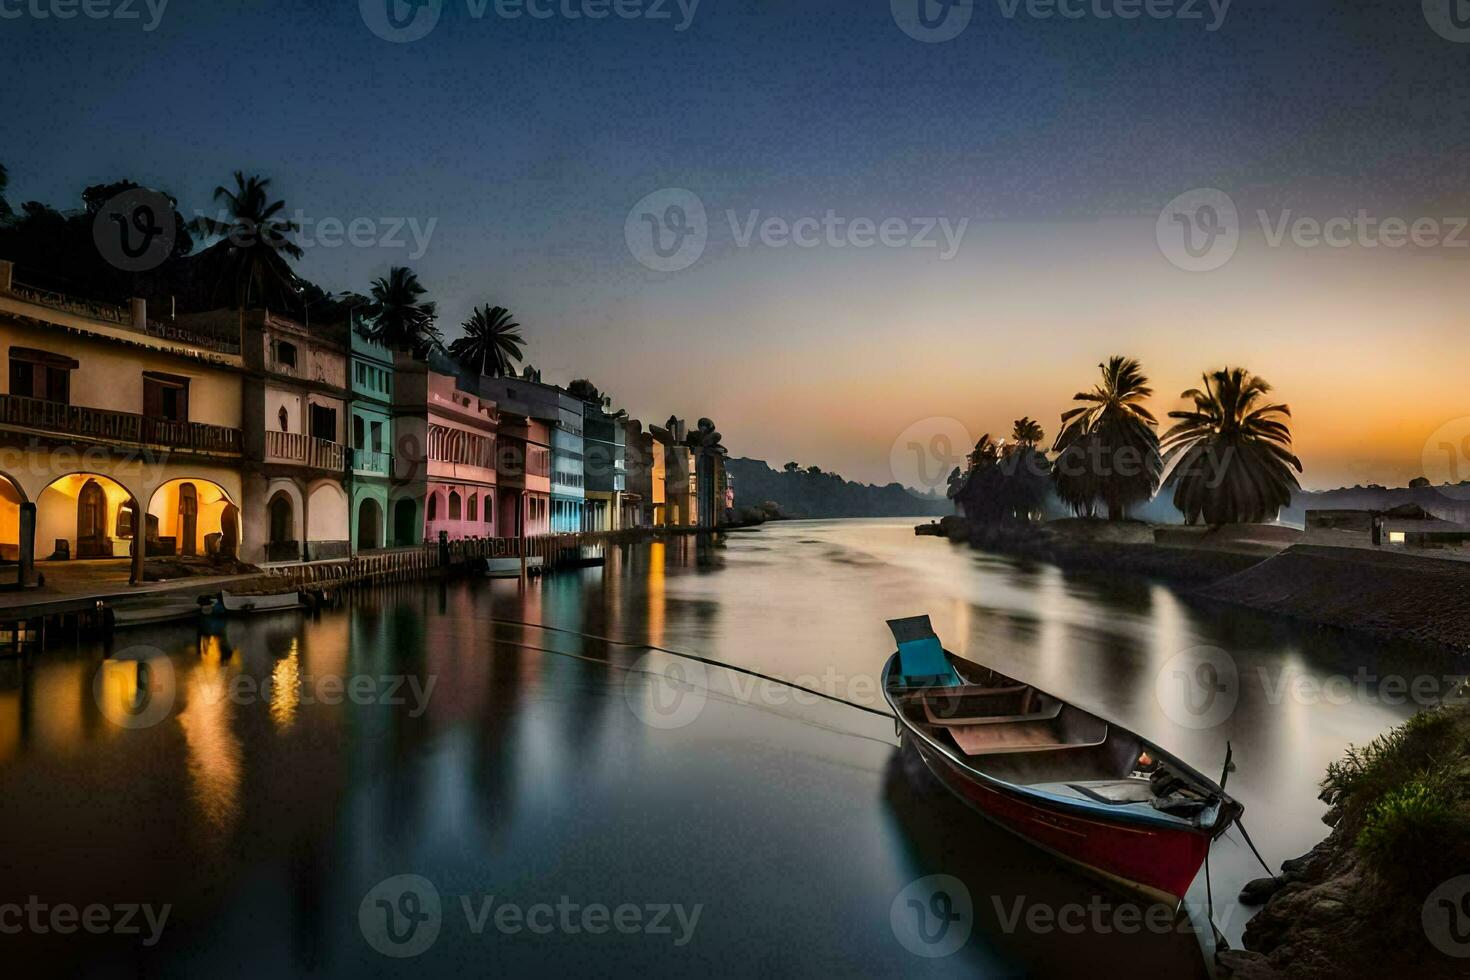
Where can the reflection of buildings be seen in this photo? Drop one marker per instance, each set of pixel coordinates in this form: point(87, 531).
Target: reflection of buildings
point(120, 423)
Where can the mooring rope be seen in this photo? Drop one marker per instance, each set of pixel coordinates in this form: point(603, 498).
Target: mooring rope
point(704, 660)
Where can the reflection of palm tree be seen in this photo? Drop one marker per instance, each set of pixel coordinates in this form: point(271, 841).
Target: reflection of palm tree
point(1108, 448)
point(398, 317)
point(1231, 455)
point(254, 243)
point(491, 344)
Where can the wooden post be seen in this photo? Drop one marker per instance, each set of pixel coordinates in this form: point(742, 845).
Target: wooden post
point(27, 557)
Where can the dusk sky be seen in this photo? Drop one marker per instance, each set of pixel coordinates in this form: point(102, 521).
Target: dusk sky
point(1052, 144)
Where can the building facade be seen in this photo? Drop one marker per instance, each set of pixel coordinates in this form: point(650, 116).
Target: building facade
point(606, 468)
point(371, 441)
point(445, 457)
point(294, 405)
point(562, 414)
point(118, 426)
point(523, 468)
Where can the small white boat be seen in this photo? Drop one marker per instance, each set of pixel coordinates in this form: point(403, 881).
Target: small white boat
point(511, 567)
point(149, 612)
point(232, 604)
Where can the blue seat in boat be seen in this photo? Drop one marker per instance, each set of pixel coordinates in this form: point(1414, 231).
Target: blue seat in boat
point(921, 659)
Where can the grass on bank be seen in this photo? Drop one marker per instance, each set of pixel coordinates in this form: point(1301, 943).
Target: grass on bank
point(1404, 798)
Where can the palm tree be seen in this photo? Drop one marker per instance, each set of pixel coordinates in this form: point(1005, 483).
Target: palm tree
point(1027, 432)
point(1231, 456)
point(1108, 448)
point(254, 243)
point(4, 183)
point(491, 344)
point(397, 317)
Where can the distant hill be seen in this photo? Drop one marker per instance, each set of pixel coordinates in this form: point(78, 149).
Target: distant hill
point(816, 494)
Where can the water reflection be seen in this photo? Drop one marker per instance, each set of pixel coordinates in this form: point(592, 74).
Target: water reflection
point(273, 793)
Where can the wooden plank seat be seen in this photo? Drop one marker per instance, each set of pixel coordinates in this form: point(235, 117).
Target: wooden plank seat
point(1031, 710)
point(1023, 736)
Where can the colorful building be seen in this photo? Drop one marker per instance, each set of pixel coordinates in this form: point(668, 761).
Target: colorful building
point(562, 412)
point(117, 424)
point(524, 470)
point(606, 468)
point(371, 440)
point(294, 404)
point(445, 456)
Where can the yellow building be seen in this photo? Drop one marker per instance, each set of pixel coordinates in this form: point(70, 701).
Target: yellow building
point(114, 425)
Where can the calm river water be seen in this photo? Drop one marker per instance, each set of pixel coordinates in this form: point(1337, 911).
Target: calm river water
point(565, 804)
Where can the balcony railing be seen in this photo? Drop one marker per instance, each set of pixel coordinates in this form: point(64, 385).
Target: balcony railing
point(104, 425)
point(221, 339)
point(305, 450)
point(368, 461)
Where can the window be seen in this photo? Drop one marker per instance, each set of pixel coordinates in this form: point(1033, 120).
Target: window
point(165, 396)
point(489, 509)
point(125, 520)
point(358, 435)
point(474, 508)
point(284, 419)
point(285, 354)
point(453, 505)
point(41, 374)
point(433, 507)
point(377, 437)
point(324, 422)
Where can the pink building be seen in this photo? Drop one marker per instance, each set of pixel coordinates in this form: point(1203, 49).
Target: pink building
point(445, 461)
point(524, 472)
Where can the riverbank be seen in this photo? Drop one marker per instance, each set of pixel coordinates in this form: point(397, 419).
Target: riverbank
point(1389, 884)
point(1380, 594)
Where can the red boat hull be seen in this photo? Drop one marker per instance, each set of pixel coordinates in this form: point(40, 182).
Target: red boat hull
point(1157, 861)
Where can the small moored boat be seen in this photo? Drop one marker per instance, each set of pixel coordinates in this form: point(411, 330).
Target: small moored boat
point(1070, 782)
point(235, 604)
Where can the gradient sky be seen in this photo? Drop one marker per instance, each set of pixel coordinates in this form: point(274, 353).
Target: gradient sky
point(528, 141)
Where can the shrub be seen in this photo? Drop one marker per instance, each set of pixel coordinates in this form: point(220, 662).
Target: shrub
point(1368, 772)
point(1416, 831)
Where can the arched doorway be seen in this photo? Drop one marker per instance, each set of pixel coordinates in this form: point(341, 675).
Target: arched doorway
point(283, 544)
point(92, 538)
point(191, 516)
point(369, 521)
point(405, 522)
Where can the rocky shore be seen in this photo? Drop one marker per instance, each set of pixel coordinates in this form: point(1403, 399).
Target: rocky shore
point(1388, 892)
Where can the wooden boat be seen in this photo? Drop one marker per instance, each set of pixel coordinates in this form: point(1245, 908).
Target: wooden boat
point(150, 612)
point(1064, 779)
point(233, 604)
